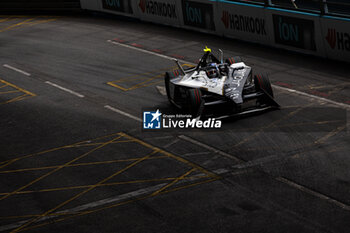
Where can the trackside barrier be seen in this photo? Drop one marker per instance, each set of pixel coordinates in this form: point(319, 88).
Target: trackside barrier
point(308, 33)
point(296, 31)
point(336, 37)
point(94, 5)
point(243, 21)
point(199, 15)
point(167, 12)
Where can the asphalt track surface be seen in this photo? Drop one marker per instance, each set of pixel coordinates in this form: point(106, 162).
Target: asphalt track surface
point(74, 157)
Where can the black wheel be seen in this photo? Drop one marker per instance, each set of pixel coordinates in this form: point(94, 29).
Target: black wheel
point(167, 77)
point(194, 100)
point(232, 60)
point(166, 82)
point(262, 82)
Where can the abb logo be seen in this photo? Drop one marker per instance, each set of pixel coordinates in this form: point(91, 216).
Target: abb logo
point(338, 40)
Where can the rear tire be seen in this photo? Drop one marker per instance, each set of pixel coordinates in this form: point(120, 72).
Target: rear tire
point(232, 60)
point(262, 82)
point(167, 77)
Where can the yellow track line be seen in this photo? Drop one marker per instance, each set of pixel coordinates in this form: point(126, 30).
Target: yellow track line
point(17, 24)
point(171, 155)
point(82, 193)
point(18, 88)
point(117, 204)
point(173, 182)
point(141, 76)
point(10, 161)
point(103, 185)
point(9, 92)
point(18, 98)
point(76, 165)
point(58, 168)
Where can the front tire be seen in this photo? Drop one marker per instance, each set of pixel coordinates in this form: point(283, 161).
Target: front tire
point(167, 78)
point(194, 101)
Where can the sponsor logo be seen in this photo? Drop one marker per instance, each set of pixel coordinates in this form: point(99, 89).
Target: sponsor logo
point(118, 5)
point(295, 32)
point(210, 123)
point(157, 120)
point(243, 23)
point(151, 120)
point(338, 40)
point(158, 8)
point(197, 14)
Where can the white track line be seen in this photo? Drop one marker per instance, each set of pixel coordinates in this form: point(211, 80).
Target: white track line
point(117, 199)
point(161, 90)
point(16, 69)
point(90, 205)
point(346, 106)
point(342, 105)
point(314, 193)
point(123, 113)
point(149, 52)
point(65, 89)
point(212, 149)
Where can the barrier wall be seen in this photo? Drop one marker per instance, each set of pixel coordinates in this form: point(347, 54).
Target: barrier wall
point(12, 6)
point(336, 38)
point(308, 33)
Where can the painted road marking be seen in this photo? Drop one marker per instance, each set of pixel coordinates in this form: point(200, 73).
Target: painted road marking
point(258, 162)
point(17, 24)
point(16, 69)
point(346, 106)
point(342, 105)
point(83, 192)
point(146, 51)
point(123, 113)
point(65, 89)
point(147, 81)
point(161, 90)
point(206, 146)
point(26, 22)
point(145, 192)
point(26, 94)
point(120, 199)
point(143, 79)
point(313, 193)
point(59, 168)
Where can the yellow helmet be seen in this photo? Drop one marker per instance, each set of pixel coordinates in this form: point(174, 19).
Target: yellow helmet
point(207, 49)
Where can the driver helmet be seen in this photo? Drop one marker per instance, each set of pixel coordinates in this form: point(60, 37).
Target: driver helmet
point(212, 70)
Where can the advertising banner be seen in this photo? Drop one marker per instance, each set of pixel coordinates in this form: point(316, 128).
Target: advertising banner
point(336, 38)
point(160, 11)
point(120, 6)
point(94, 5)
point(198, 14)
point(243, 22)
point(296, 31)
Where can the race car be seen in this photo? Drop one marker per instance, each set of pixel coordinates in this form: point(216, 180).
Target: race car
point(219, 89)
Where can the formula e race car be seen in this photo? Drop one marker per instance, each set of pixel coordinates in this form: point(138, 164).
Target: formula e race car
point(228, 88)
